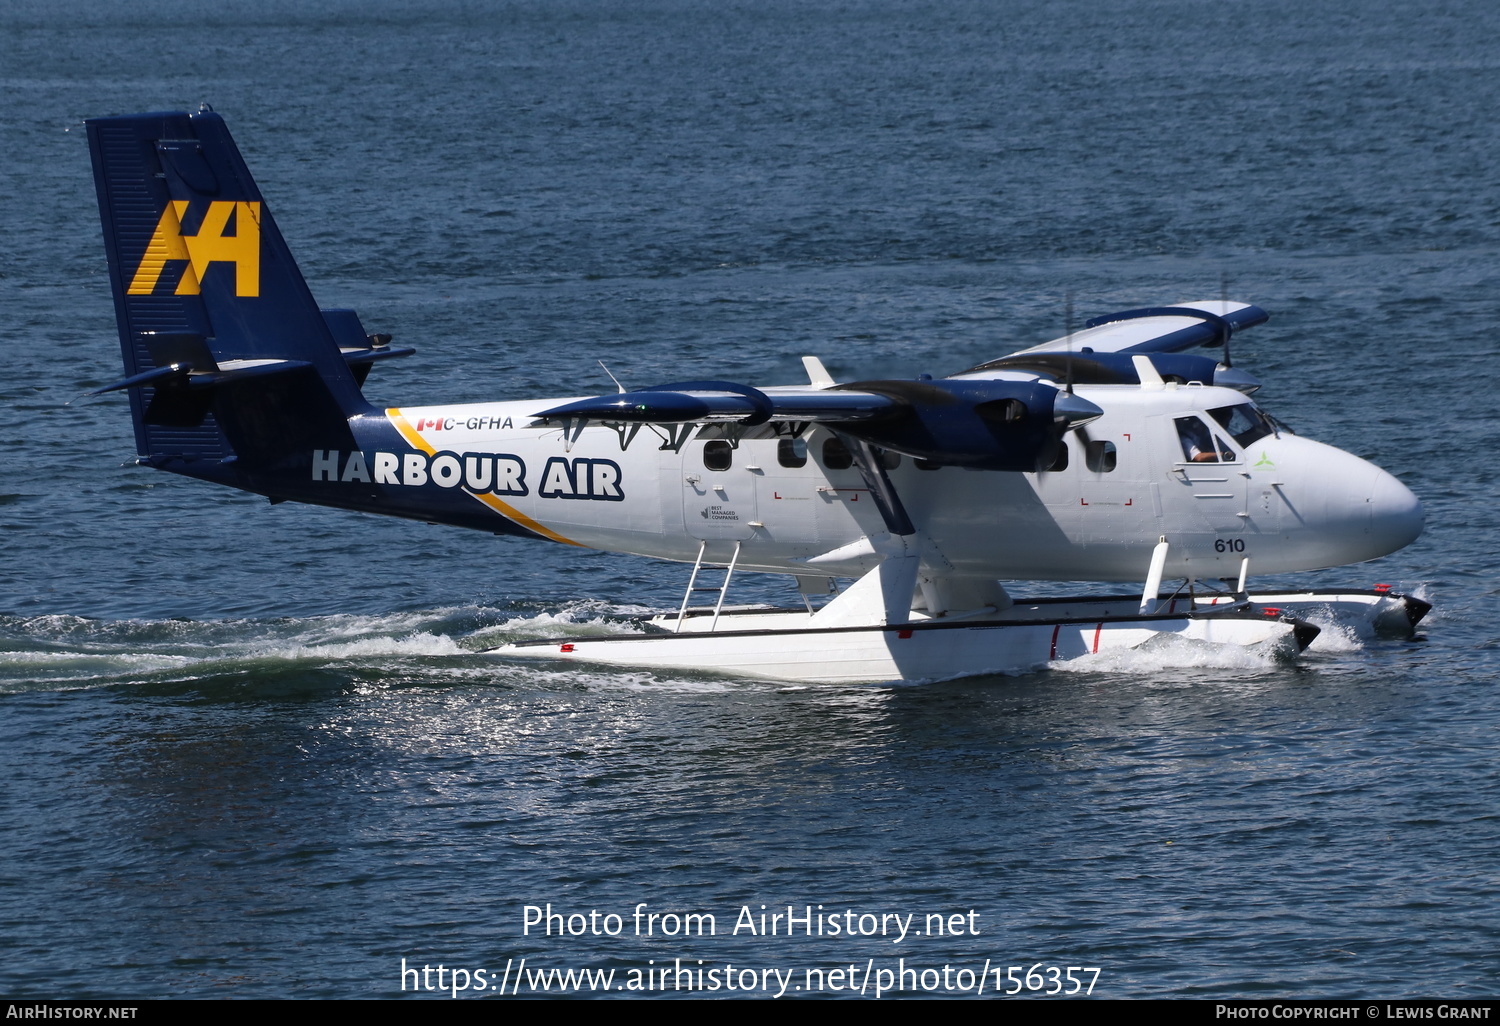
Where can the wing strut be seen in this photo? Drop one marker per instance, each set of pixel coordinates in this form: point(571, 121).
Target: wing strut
point(879, 482)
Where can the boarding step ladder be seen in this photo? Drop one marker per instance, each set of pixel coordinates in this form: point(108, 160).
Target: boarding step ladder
point(692, 586)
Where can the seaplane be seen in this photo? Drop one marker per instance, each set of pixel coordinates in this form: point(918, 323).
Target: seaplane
point(1122, 452)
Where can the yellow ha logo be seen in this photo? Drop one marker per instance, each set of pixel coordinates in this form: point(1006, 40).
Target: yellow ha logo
point(210, 245)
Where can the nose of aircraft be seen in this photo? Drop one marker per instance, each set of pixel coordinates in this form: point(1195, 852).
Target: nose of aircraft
point(1351, 510)
point(1395, 514)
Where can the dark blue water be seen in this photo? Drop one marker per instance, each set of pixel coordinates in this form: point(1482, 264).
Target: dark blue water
point(251, 751)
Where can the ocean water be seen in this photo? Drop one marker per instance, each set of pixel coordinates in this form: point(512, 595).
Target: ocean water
point(254, 751)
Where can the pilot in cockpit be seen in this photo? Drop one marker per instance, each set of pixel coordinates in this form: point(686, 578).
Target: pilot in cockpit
point(1198, 442)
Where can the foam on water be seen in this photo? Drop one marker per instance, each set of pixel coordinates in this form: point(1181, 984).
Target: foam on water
point(49, 652)
point(583, 618)
point(61, 651)
point(1170, 652)
point(19, 662)
point(1336, 635)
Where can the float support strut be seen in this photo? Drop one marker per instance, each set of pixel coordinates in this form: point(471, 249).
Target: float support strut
point(1153, 577)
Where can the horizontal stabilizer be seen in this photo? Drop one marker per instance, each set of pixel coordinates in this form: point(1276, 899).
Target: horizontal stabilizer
point(149, 377)
point(204, 372)
point(365, 357)
point(360, 349)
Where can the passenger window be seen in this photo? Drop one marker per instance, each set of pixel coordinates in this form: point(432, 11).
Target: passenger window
point(836, 455)
point(922, 464)
point(792, 452)
point(718, 455)
point(890, 460)
point(1101, 457)
point(1060, 462)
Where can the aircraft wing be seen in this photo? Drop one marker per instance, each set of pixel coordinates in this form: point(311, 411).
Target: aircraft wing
point(994, 425)
point(979, 418)
point(713, 401)
point(1159, 329)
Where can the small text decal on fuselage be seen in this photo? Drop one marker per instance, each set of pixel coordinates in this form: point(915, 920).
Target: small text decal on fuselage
point(472, 423)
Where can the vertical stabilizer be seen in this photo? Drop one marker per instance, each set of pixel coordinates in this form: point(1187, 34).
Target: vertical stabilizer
point(226, 353)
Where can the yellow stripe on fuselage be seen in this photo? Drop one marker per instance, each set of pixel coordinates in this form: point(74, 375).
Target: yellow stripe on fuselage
point(416, 441)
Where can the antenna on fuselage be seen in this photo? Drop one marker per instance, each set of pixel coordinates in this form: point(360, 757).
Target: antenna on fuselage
point(612, 377)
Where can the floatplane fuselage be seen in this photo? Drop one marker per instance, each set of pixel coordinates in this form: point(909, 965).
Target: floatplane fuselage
point(799, 504)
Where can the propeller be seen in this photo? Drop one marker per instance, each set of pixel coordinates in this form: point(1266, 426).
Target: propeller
point(1224, 313)
point(1058, 443)
point(1068, 327)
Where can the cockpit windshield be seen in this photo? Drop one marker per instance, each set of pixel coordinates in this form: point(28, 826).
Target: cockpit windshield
point(1243, 421)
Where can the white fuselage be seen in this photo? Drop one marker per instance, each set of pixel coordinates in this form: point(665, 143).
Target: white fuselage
point(1283, 502)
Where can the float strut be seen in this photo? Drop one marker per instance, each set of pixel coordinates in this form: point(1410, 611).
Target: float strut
point(1153, 577)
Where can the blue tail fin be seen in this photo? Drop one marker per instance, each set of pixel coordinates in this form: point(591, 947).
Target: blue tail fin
point(227, 356)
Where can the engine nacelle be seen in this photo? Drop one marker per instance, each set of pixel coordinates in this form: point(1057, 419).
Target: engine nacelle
point(987, 425)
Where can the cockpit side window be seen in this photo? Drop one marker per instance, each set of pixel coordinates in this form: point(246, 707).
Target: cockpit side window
point(1244, 422)
point(1197, 441)
point(1200, 445)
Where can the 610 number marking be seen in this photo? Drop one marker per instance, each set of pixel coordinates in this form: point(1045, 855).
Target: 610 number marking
point(1229, 545)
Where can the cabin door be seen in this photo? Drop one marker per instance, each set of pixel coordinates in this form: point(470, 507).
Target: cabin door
point(718, 493)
